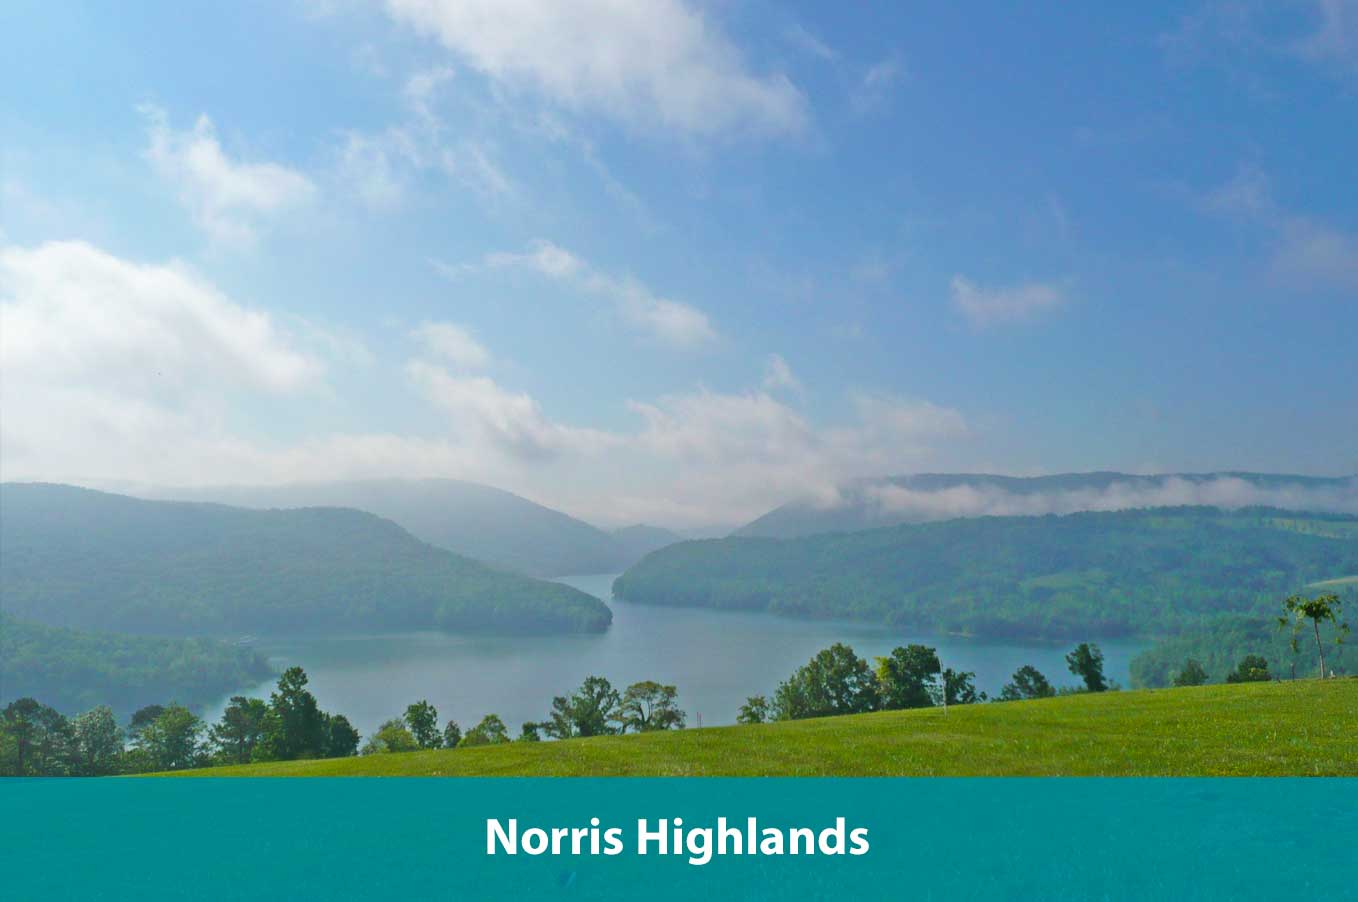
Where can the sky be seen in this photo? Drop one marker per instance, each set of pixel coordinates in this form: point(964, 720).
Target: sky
point(675, 261)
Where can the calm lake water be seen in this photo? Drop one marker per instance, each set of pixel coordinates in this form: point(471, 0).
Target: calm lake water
point(716, 659)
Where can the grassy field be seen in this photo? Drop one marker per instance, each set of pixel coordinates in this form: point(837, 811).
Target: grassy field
point(1292, 728)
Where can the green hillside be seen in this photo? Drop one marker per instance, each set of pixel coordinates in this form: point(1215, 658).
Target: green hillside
point(96, 561)
point(1138, 572)
point(73, 671)
point(481, 522)
point(1291, 728)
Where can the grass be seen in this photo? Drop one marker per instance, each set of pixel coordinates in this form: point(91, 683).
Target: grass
point(1306, 727)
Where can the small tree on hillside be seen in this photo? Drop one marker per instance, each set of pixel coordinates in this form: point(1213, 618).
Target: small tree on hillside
point(1251, 669)
point(452, 734)
point(423, 720)
point(1191, 674)
point(1086, 662)
point(1028, 682)
point(1298, 608)
point(755, 710)
point(649, 706)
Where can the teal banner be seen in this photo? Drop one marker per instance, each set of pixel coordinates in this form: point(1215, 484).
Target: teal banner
point(927, 839)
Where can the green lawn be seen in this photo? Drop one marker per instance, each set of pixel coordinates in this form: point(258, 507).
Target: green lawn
point(1293, 728)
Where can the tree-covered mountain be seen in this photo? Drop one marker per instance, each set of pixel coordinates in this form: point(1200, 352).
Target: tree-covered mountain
point(640, 540)
point(73, 671)
point(484, 523)
point(1099, 574)
point(91, 560)
point(894, 500)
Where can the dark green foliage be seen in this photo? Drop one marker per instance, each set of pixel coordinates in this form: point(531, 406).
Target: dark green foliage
point(77, 670)
point(1191, 674)
point(341, 739)
point(588, 712)
point(1251, 669)
point(1086, 662)
point(958, 687)
point(529, 732)
point(1327, 609)
point(755, 710)
point(1108, 574)
point(648, 706)
point(452, 734)
point(174, 740)
point(835, 681)
point(490, 731)
point(91, 560)
point(240, 730)
point(1028, 682)
point(423, 720)
point(391, 736)
point(97, 743)
point(905, 678)
point(35, 740)
point(295, 727)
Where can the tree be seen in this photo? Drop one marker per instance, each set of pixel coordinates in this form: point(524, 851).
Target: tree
point(452, 734)
point(490, 731)
point(423, 720)
point(1086, 662)
point(755, 710)
point(296, 726)
point(1251, 669)
point(1298, 608)
point(649, 706)
point(958, 687)
point(529, 732)
point(585, 713)
point(240, 730)
point(142, 718)
point(98, 741)
point(341, 738)
point(835, 681)
point(906, 677)
point(173, 741)
point(40, 737)
point(1027, 682)
point(1191, 674)
point(391, 736)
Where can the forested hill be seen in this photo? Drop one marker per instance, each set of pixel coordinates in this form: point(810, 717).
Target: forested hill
point(1136, 572)
point(91, 560)
point(893, 500)
point(74, 671)
point(481, 522)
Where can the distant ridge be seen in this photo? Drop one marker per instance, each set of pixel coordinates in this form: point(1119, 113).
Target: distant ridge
point(895, 500)
point(488, 524)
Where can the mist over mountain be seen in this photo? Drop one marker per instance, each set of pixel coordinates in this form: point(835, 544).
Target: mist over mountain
point(640, 540)
point(484, 523)
point(895, 500)
point(90, 560)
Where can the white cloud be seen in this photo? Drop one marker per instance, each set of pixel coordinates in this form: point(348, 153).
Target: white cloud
point(227, 198)
point(875, 87)
point(453, 342)
point(670, 322)
point(778, 375)
point(985, 307)
point(656, 63)
point(798, 36)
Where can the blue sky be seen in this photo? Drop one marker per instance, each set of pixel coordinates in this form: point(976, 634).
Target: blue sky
point(676, 261)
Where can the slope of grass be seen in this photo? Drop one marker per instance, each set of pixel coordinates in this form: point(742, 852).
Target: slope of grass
point(1293, 728)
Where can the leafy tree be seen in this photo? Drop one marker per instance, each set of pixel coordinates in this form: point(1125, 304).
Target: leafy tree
point(1298, 608)
point(529, 732)
point(1252, 669)
point(341, 738)
point(391, 736)
point(423, 720)
point(1086, 662)
point(39, 737)
point(143, 718)
point(490, 731)
point(452, 734)
point(98, 741)
point(173, 740)
point(755, 710)
point(1027, 682)
point(648, 706)
point(296, 726)
point(240, 730)
point(835, 681)
point(585, 713)
point(959, 687)
point(906, 677)
point(1191, 674)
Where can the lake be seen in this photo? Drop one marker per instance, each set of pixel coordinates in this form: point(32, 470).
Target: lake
point(715, 658)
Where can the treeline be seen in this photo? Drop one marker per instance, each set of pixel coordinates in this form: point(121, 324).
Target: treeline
point(37, 740)
point(1108, 574)
point(75, 671)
